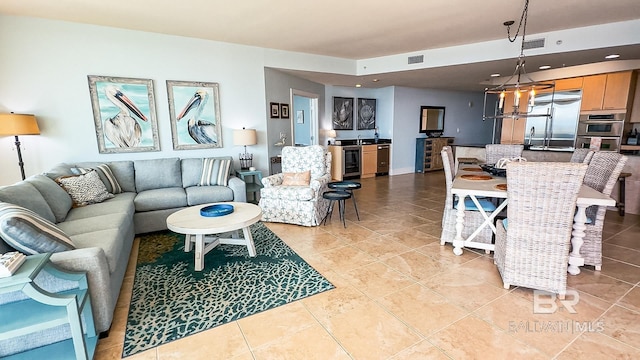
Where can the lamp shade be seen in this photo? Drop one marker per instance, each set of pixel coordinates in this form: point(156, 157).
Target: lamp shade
point(245, 137)
point(331, 134)
point(18, 124)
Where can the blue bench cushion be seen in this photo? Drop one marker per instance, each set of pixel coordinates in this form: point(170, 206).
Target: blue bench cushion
point(470, 205)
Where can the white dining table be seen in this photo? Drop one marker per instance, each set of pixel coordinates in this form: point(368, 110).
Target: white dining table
point(487, 188)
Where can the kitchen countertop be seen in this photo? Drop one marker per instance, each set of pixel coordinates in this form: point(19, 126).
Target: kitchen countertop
point(533, 148)
point(349, 142)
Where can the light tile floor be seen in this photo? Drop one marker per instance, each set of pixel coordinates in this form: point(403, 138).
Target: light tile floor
point(400, 295)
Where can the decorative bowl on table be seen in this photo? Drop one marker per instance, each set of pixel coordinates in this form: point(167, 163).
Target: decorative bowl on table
point(216, 210)
point(491, 169)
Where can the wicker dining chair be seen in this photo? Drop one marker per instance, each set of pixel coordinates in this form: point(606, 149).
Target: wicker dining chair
point(533, 249)
point(452, 160)
point(495, 152)
point(602, 174)
point(581, 155)
point(472, 218)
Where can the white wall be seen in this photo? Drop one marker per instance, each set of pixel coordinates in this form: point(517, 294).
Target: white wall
point(44, 66)
point(384, 111)
point(462, 120)
point(43, 71)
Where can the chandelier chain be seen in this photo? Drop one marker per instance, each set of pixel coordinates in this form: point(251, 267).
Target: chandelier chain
point(522, 24)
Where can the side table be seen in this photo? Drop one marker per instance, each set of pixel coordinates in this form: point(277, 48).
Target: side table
point(253, 179)
point(43, 310)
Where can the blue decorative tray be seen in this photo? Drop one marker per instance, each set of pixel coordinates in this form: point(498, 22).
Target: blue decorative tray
point(216, 210)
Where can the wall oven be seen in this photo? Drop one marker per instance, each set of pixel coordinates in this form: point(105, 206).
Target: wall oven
point(600, 128)
point(351, 162)
point(609, 127)
point(607, 144)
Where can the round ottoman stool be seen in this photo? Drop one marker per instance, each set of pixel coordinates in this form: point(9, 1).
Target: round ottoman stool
point(347, 186)
point(340, 197)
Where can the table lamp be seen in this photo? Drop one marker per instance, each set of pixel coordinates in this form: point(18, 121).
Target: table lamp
point(331, 134)
point(245, 137)
point(18, 124)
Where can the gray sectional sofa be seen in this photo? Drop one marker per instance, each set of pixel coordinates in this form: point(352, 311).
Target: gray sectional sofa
point(103, 233)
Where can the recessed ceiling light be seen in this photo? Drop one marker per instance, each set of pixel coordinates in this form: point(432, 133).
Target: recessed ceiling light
point(358, 85)
point(376, 80)
point(612, 56)
point(545, 67)
point(495, 75)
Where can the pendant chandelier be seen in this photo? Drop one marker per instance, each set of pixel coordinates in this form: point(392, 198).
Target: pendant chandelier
point(516, 96)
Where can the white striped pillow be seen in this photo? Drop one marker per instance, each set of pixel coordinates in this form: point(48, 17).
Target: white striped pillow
point(106, 175)
point(215, 172)
point(29, 233)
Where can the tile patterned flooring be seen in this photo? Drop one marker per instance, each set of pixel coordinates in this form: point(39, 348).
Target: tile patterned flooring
point(400, 295)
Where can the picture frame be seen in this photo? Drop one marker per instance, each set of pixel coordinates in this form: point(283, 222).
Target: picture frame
point(284, 111)
point(300, 116)
point(194, 113)
point(366, 114)
point(342, 115)
point(274, 110)
point(124, 114)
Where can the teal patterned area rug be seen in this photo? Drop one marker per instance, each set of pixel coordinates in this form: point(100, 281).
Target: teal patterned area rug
point(170, 300)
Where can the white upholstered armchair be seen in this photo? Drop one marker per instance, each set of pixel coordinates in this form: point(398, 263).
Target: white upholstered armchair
point(297, 202)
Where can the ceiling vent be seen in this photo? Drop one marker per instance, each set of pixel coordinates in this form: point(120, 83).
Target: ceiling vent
point(533, 44)
point(416, 59)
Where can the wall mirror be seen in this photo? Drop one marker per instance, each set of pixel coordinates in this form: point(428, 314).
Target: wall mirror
point(432, 120)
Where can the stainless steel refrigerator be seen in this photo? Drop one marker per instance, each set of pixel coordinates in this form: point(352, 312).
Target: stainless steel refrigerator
point(558, 131)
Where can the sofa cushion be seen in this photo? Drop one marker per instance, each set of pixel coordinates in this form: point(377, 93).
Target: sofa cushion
point(157, 174)
point(197, 195)
point(215, 172)
point(160, 199)
point(59, 201)
point(59, 170)
point(121, 203)
point(85, 189)
point(26, 195)
point(122, 170)
point(192, 170)
point(106, 175)
point(303, 193)
point(104, 231)
point(29, 233)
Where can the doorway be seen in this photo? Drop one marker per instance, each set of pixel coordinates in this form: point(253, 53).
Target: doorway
point(304, 119)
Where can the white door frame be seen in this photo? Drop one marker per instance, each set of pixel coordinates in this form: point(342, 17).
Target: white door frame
point(313, 117)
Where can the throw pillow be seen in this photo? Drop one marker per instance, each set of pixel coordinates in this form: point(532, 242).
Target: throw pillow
point(296, 178)
point(215, 172)
point(85, 189)
point(29, 233)
point(106, 175)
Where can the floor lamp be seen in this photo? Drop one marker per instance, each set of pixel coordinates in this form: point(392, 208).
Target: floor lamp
point(18, 124)
point(245, 137)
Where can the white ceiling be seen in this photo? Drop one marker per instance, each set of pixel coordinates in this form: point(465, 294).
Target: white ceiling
point(353, 29)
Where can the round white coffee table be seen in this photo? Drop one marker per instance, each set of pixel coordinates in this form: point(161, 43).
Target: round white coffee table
point(202, 230)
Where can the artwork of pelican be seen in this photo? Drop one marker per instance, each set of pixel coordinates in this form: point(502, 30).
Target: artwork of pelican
point(123, 130)
point(202, 131)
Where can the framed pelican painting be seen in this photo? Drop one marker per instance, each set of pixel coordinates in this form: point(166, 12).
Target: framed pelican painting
point(124, 114)
point(194, 110)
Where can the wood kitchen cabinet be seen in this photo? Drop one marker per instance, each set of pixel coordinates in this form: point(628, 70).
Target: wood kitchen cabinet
point(369, 161)
point(513, 129)
point(336, 162)
point(606, 91)
point(569, 84)
point(634, 117)
point(428, 156)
